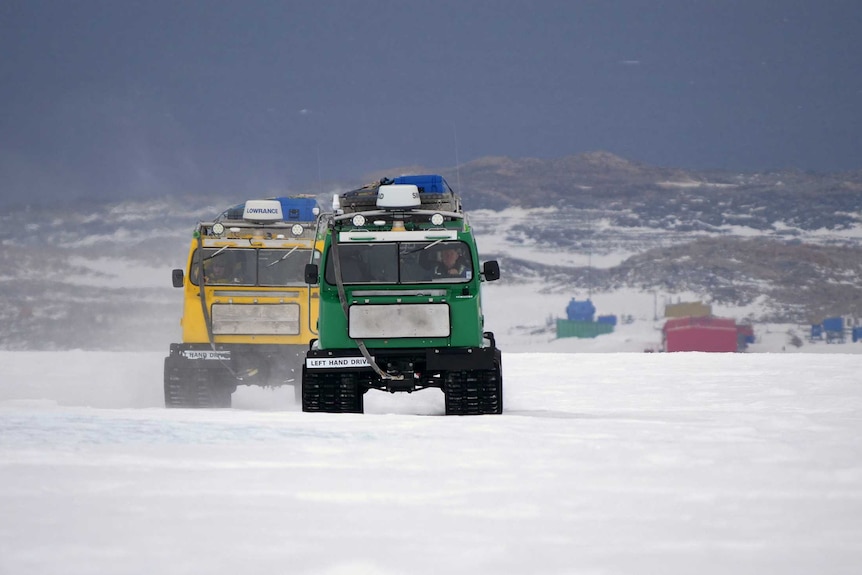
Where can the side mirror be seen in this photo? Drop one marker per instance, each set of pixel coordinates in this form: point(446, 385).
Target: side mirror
point(177, 277)
point(311, 272)
point(491, 270)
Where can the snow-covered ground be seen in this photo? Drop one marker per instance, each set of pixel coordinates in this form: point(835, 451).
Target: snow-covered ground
point(601, 463)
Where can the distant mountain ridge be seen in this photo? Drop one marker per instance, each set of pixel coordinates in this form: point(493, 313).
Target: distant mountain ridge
point(593, 179)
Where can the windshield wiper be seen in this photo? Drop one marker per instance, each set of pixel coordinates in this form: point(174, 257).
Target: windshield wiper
point(209, 257)
point(284, 257)
point(431, 245)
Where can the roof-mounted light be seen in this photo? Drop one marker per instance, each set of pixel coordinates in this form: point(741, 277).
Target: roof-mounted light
point(398, 196)
point(218, 228)
point(297, 229)
point(437, 219)
point(358, 220)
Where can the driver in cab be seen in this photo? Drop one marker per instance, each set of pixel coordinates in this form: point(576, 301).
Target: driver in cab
point(216, 272)
point(451, 264)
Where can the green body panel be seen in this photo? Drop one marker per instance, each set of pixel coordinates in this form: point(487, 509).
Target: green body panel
point(463, 300)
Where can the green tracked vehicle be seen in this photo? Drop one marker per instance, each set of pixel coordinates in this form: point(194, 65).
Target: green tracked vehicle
point(400, 302)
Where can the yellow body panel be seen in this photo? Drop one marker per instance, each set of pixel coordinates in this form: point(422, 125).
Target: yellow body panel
point(194, 328)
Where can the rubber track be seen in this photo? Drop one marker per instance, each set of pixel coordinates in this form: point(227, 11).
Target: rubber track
point(332, 393)
point(474, 392)
point(194, 388)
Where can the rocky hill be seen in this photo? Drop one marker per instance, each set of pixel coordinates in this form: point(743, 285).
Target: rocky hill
point(604, 180)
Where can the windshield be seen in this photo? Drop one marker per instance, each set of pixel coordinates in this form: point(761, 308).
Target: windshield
point(253, 267)
point(403, 262)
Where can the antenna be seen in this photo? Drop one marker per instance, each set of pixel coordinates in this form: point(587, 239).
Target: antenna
point(457, 162)
point(319, 180)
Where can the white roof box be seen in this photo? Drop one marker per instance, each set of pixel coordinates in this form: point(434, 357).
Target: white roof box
point(398, 196)
point(262, 211)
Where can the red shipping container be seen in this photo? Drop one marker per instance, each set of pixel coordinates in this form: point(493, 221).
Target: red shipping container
point(713, 334)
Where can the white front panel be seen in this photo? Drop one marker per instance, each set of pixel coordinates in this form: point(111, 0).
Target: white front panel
point(399, 320)
point(258, 242)
point(405, 236)
point(251, 319)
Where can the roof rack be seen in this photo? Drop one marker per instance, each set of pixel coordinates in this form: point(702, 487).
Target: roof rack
point(435, 194)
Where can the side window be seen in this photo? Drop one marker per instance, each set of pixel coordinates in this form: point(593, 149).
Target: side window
point(226, 267)
point(195, 269)
point(417, 262)
point(448, 262)
point(366, 263)
point(382, 263)
point(281, 267)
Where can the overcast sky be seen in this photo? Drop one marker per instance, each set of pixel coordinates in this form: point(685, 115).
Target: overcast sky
point(155, 97)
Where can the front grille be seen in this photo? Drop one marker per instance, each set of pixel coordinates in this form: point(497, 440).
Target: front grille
point(399, 320)
point(255, 319)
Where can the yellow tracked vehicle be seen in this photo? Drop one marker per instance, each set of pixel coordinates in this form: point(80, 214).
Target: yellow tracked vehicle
point(248, 314)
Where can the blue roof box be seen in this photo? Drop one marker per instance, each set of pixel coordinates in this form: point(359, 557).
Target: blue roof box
point(298, 209)
point(428, 184)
